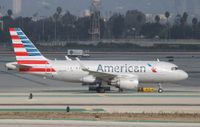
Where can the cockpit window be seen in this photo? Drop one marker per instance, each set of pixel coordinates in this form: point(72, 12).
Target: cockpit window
point(174, 68)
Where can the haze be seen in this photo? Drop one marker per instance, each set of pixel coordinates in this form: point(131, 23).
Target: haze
point(77, 7)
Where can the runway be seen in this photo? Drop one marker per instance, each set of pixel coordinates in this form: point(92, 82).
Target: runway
point(71, 123)
point(109, 102)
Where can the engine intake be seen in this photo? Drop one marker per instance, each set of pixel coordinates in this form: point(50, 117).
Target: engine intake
point(125, 83)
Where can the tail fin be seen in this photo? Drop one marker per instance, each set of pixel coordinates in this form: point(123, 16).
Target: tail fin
point(25, 50)
point(29, 58)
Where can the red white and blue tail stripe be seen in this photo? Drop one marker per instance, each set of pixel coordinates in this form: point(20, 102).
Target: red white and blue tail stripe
point(27, 54)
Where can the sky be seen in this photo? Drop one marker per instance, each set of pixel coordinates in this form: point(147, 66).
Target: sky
point(77, 7)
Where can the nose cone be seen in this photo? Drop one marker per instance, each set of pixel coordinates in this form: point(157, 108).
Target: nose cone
point(183, 75)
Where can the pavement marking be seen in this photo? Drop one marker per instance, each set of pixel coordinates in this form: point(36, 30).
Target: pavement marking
point(88, 108)
point(52, 110)
point(93, 122)
point(105, 104)
point(103, 95)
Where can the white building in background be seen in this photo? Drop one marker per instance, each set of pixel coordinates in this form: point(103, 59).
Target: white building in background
point(86, 13)
point(17, 6)
point(151, 18)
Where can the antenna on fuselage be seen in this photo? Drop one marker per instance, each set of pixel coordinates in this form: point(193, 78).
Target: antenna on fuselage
point(77, 59)
point(81, 65)
point(67, 58)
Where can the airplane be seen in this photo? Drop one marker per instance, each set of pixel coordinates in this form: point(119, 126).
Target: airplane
point(120, 74)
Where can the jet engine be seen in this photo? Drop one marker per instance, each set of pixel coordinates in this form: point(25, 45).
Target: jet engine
point(123, 83)
point(88, 79)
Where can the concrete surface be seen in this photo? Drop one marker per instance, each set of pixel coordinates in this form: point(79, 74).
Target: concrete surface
point(71, 123)
point(109, 102)
point(184, 95)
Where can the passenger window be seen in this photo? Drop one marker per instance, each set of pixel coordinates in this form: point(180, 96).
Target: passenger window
point(174, 68)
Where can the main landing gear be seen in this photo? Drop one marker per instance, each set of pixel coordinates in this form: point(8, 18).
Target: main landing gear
point(121, 90)
point(100, 89)
point(160, 90)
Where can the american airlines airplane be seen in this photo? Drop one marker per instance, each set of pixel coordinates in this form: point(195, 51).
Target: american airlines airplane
point(120, 74)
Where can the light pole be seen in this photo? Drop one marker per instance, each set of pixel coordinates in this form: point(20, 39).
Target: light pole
point(134, 32)
point(43, 26)
point(1, 23)
point(55, 30)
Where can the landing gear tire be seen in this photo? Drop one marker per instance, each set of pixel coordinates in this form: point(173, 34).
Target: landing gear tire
point(100, 90)
point(121, 90)
point(160, 90)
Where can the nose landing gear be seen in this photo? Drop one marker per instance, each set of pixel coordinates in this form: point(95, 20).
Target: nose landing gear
point(160, 89)
point(121, 90)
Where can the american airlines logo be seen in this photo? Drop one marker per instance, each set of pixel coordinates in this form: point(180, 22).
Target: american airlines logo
point(153, 69)
point(122, 68)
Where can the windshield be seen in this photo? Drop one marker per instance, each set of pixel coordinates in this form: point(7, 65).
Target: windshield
point(174, 68)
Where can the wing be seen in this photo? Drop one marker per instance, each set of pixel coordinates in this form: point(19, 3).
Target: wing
point(102, 75)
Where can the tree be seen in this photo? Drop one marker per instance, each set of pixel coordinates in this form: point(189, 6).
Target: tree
point(194, 22)
point(9, 12)
point(57, 18)
point(82, 26)
point(177, 19)
point(195, 28)
point(167, 15)
point(198, 31)
point(68, 29)
point(157, 19)
point(151, 30)
point(117, 25)
point(59, 10)
point(134, 18)
point(184, 18)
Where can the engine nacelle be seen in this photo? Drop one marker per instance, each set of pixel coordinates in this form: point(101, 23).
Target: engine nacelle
point(88, 79)
point(126, 83)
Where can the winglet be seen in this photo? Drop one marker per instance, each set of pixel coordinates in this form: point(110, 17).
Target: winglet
point(81, 65)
